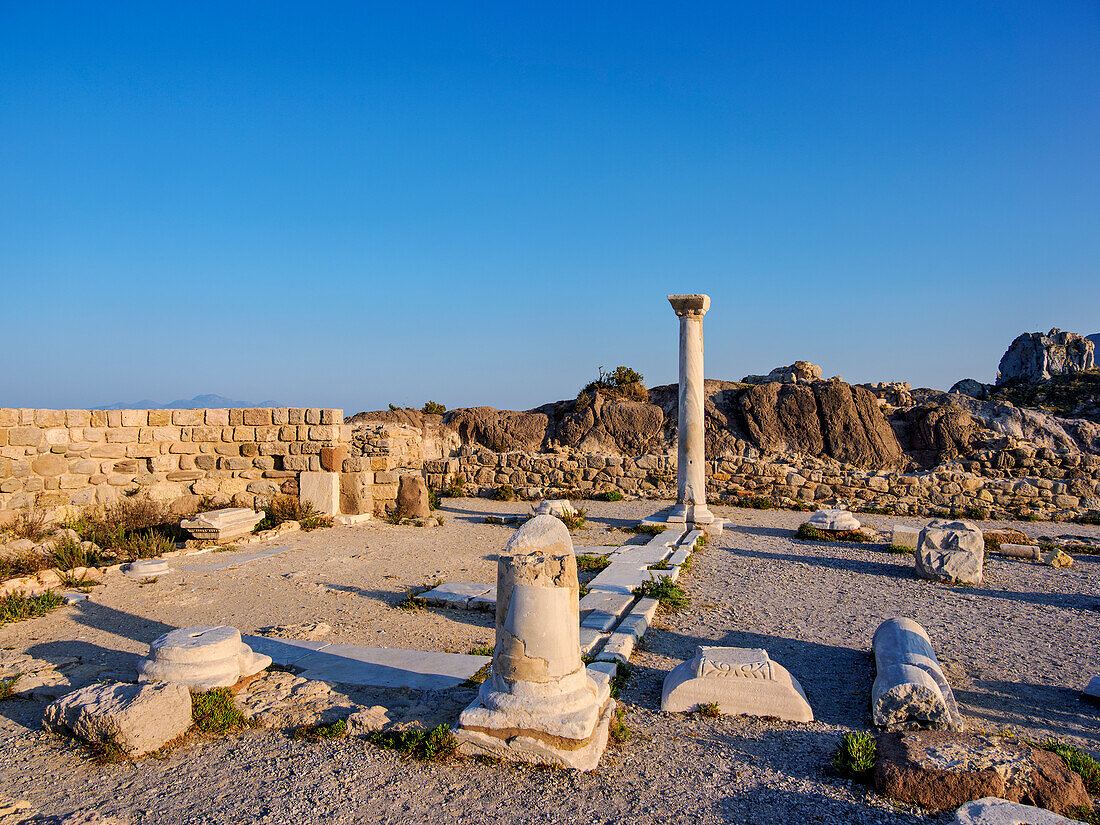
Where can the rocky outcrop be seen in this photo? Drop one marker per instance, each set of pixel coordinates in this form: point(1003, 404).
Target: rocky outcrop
point(800, 372)
point(1034, 356)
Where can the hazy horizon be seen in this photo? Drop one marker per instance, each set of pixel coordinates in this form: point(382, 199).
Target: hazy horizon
point(349, 206)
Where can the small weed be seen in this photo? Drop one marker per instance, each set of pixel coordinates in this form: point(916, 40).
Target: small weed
point(1091, 517)
point(1083, 814)
point(7, 686)
point(623, 672)
point(661, 565)
point(808, 533)
point(30, 523)
point(855, 756)
point(574, 520)
point(877, 511)
point(439, 520)
point(23, 564)
point(710, 710)
point(433, 499)
point(481, 650)
point(411, 600)
point(284, 508)
point(900, 551)
point(505, 492)
point(702, 541)
point(1078, 762)
point(318, 733)
point(618, 731)
point(755, 503)
point(15, 607)
point(592, 564)
point(456, 487)
point(664, 590)
point(315, 523)
point(976, 513)
point(433, 745)
point(146, 545)
point(646, 529)
point(108, 752)
point(68, 553)
point(214, 711)
point(148, 580)
point(481, 675)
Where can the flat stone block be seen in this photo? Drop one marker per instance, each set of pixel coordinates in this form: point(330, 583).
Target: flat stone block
point(454, 594)
point(322, 490)
point(740, 680)
point(600, 610)
point(390, 667)
point(906, 537)
point(1091, 693)
point(200, 658)
point(350, 521)
point(590, 640)
point(640, 555)
point(487, 602)
point(235, 559)
point(993, 811)
point(680, 556)
point(617, 648)
point(602, 672)
point(620, 577)
point(283, 652)
point(222, 525)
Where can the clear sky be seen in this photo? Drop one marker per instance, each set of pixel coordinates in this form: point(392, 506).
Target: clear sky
point(351, 204)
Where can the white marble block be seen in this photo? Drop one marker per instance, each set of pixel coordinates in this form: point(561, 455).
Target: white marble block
point(951, 551)
point(201, 658)
point(539, 704)
point(834, 520)
point(740, 680)
point(322, 490)
point(910, 689)
point(222, 525)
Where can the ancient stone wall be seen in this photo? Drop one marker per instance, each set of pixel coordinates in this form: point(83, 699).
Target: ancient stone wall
point(58, 458)
point(1017, 481)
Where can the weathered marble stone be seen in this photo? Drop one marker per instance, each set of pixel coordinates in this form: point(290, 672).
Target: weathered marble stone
point(322, 490)
point(1056, 558)
point(691, 483)
point(412, 497)
point(283, 700)
point(201, 658)
point(539, 703)
point(555, 507)
point(951, 551)
point(137, 718)
point(146, 568)
point(740, 680)
point(910, 690)
point(1018, 551)
point(993, 811)
point(222, 525)
point(906, 537)
point(834, 520)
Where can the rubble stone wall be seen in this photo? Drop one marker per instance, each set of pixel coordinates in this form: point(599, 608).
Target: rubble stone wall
point(59, 458)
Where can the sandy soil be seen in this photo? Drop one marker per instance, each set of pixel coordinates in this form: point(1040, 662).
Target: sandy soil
point(1018, 650)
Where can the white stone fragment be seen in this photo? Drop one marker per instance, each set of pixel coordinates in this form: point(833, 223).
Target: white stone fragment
point(740, 680)
point(834, 520)
point(222, 525)
point(993, 811)
point(147, 568)
point(555, 507)
point(201, 658)
point(951, 551)
point(910, 689)
point(454, 594)
point(136, 718)
point(322, 490)
point(1018, 551)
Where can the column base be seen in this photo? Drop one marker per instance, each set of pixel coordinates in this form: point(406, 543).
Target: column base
point(689, 516)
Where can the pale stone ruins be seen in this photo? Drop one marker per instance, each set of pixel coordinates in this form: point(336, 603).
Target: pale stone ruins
point(951, 551)
point(201, 658)
point(539, 704)
point(910, 689)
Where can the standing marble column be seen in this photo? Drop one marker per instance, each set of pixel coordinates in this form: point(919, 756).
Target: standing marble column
point(691, 481)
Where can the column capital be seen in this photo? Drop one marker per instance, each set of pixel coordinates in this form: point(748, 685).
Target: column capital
point(690, 305)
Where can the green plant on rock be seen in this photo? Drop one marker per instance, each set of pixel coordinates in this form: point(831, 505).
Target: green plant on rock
point(665, 590)
point(7, 686)
point(68, 553)
point(456, 487)
point(646, 529)
point(623, 672)
point(214, 711)
point(283, 508)
point(808, 533)
point(855, 756)
point(505, 492)
point(432, 408)
point(1078, 762)
point(610, 495)
point(592, 564)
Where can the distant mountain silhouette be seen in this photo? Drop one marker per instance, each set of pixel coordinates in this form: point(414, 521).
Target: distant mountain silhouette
point(199, 402)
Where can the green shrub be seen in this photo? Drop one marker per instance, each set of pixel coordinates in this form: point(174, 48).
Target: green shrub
point(622, 382)
point(433, 499)
point(456, 487)
point(755, 503)
point(317, 733)
point(283, 508)
point(976, 513)
point(1091, 517)
point(623, 672)
point(146, 545)
point(710, 710)
point(592, 564)
point(30, 523)
point(15, 607)
point(505, 492)
point(481, 650)
point(661, 565)
point(646, 529)
point(610, 495)
point(618, 731)
point(1078, 762)
point(432, 408)
point(855, 756)
point(68, 553)
point(574, 520)
point(664, 590)
point(433, 745)
point(214, 711)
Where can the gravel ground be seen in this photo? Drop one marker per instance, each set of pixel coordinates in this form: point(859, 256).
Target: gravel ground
point(1018, 649)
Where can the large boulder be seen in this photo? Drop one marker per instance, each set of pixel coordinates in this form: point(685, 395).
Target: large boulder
point(412, 497)
point(951, 551)
point(939, 771)
point(1034, 356)
point(138, 719)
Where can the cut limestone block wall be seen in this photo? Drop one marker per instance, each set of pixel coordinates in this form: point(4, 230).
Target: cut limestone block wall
point(63, 458)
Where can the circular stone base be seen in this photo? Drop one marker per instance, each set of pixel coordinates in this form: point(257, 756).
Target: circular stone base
point(148, 567)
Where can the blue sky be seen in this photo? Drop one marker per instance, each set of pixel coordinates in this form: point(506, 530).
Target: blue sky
point(480, 203)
